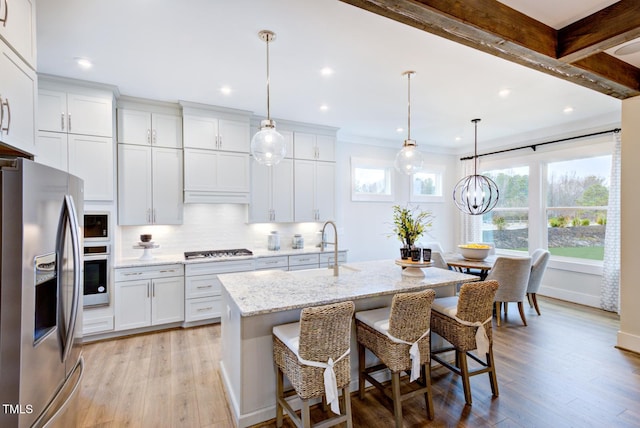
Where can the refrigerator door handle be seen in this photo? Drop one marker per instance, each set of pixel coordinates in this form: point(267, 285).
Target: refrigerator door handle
point(44, 420)
point(71, 214)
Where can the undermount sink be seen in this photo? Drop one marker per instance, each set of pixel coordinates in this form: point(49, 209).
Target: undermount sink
point(313, 273)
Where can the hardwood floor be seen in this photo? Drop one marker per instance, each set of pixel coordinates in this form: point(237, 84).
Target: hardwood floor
point(561, 371)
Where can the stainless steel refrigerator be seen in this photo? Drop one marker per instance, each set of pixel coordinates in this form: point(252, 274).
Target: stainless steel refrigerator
point(41, 361)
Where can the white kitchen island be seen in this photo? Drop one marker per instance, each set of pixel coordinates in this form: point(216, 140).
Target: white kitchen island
point(253, 302)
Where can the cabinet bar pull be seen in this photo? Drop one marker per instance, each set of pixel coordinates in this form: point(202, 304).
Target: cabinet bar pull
point(6, 14)
point(153, 289)
point(153, 138)
point(69, 122)
point(149, 136)
point(1, 114)
point(167, 271)
point(154, 215)
point(6, 103)
point(204, 286)
point(205, 309)
point(62, 121)
point(147, 290)
point(133, 273)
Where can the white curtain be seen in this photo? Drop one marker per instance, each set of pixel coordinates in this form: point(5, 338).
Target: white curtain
point(610, 291)
point(470, 225)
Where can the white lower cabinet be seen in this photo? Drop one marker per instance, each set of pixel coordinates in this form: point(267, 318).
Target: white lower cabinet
point(148, 296)
point(203, 288)
point(304, 261)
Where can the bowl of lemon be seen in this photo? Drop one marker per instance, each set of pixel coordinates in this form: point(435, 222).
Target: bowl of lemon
point(474, 251)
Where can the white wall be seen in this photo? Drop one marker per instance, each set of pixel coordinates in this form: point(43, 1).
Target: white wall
point(366, 225)
point(629, 334)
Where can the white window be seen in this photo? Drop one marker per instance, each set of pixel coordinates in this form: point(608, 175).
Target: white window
point(371, 180)
point(426, 185)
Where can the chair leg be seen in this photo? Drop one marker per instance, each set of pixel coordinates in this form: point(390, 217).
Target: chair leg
point(279, 396)
point(361, 370)
point(506, 308)
point(347, 405)
point(521, 309)
point(535, 302)
point(498, 308)
point(427, 395)
point(397, 402)
point(493, 378)
point(529, 299)
point(305, 414)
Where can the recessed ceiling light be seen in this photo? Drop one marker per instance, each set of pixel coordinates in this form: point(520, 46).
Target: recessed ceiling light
point(326, 71)
point(324, 107)
point(568, 110)
point(399, 129)
point(226, 90)
point(458, 138)
point(84, 63)
point(504, 93)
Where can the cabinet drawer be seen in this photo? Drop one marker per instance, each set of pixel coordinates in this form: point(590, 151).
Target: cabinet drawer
point(272, 262)
point(227, 266)
point(148, 272)
point(327, 257)
point(304, 259)
point(202, 286)
point(203, 308)
point(97, 325)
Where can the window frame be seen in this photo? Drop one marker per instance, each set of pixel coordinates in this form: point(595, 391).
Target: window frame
point(377, 164)
point(439, 171)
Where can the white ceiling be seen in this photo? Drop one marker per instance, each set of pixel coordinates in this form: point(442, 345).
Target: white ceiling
point(171, 50)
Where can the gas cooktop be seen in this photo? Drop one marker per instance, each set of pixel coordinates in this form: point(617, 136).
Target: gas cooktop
point(189, 255)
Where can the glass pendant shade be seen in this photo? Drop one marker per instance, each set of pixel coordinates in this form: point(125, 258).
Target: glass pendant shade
point(267, 145)
point(409, 160)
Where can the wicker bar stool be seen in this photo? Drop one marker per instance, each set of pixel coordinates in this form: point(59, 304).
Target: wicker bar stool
point(314, 355)
point(465, 322)
point(399, 337)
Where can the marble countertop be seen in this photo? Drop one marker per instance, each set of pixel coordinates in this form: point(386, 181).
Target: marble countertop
point(262, 292)
point(179, 258)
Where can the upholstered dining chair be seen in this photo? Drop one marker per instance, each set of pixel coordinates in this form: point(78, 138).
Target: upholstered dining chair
point(314, 355)
point(539, 260)
point(399, 337)
point(438, 260)
point(465, 322)
point(512, 273)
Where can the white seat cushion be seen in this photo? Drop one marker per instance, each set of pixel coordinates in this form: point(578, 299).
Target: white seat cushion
point(446, 305)
point(377, 319)
point(289, 334)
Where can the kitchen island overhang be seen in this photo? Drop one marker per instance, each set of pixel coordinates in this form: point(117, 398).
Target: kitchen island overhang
point(254, 302)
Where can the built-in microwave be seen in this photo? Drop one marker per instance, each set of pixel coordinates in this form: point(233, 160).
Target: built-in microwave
point(96, 226)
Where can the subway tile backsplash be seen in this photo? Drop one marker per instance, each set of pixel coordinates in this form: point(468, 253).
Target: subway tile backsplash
point(212, 227)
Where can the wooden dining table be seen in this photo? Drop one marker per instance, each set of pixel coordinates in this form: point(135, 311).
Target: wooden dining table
point(475, 267)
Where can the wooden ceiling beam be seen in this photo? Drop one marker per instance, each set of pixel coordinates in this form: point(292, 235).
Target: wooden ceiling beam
point(600, 31)
point(492, 27)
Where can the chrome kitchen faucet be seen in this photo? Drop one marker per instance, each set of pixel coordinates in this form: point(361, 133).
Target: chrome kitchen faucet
point(334, 243)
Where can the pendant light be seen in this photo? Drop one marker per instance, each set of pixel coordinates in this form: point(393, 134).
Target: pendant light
point(476, 194)
point(409, 159)
point(267, 145)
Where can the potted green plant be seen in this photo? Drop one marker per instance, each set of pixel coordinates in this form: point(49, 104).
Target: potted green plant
point(409, 224)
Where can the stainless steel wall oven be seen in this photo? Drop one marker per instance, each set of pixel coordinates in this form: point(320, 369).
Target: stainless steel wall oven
point(96, 275)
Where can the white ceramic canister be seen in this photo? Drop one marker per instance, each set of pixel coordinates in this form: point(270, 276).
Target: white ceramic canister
point(273, 243)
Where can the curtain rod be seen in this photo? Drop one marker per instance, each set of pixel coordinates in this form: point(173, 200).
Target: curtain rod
point(534, 146)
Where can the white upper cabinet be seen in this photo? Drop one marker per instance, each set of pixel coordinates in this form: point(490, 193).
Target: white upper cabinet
point(216, 134)
point(314, 147)
point(91, 158)
point(216, 154)
point(18, 86)
point(18, 28)
point(150, 129)
point(75, 113)
point(271, 192)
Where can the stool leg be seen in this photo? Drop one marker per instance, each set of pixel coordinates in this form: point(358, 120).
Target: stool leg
point(347, 405)
point(397, 402)
point(498, 315)
point(361, 370)
point(427, 395)
point(493, 378)
point(305, 414)
point(464, 371)
point(521, 310)
point(535, 302)
point(279, 396)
